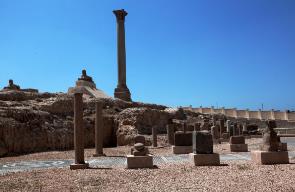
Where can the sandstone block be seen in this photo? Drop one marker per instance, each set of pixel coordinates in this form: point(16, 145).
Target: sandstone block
point(135, 162)
point(269, 157)
point(182, 149)
point(237, 140)
point(79, 166)
point(205, 159)
point(238, 147)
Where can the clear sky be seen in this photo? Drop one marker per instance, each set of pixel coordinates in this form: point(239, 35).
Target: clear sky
point(232, 53)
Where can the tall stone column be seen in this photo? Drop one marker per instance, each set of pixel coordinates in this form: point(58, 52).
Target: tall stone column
point(170, 133)
point(98, 130)
point(78, 133)
point(122, 91)
point(154, 135)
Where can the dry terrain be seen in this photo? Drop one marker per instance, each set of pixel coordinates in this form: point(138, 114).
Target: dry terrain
point(231, 176)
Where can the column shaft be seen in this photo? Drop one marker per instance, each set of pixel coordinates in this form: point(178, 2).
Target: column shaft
point(78, 129)
point(154, 134)
point(98, 129)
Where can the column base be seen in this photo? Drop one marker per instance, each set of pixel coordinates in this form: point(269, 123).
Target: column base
point(136, 162)
point(122, 93)
point(238, 147)
point(79, 166)
point(182, 149)
point(205, 159)
point(269, 157)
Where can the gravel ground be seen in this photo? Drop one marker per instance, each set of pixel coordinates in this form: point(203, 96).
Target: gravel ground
point(238, 176)
point(234, 176)
point(163, 149)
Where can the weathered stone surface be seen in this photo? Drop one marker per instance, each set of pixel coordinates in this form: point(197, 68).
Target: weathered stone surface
point(139, 139)
point(270, 139)
point(170, 133)
point(269, 157)
point(205, 159)
point(135, 162)
point(202, 142)
point(139, 146)
point(237, 140)
point(3, 149)
point(183, 139)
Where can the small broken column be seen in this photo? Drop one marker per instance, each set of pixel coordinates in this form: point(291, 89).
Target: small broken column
point(170, 133)
point(182, 143)
point(98, 130)
point(140, 157)
point(221, 125)
point(122, 91)
point(78, 132)
point(154, 135)
point(270, 151)
point(215, 134)
point(237, 144)
point(203, 150)
point(228, 126)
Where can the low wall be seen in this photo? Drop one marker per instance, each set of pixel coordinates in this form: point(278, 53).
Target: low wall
point(247, 114)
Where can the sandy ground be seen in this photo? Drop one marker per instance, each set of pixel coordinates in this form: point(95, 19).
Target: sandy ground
point(234, 176)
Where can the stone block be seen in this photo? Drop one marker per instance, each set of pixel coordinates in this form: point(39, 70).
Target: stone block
point(238, 147)
point(205, 159)
point(183, 139)
point(182, 149)
point(79, 166)
point(269, 157)
point(136, 162)
point(202, 142)
point(237, 140)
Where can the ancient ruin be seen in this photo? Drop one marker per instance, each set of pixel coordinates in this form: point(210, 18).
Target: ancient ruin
point(237, 144)
point(78, 132)
point(122, 91)
point(182, 143)
point(203, 150)
point(139, 158)
point(270, 152)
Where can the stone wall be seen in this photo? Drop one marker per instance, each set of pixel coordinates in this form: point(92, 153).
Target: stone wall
point(261, 115)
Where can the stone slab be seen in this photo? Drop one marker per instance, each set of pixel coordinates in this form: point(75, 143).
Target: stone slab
point(269, 157)
point(182, 149)
point(136, 162)
point(205, 159)
point(79, 166)
point(238, 147)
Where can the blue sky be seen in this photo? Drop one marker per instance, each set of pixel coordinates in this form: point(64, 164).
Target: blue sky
point(232, 53)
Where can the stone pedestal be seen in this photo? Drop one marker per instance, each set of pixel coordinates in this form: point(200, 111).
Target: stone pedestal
point(79, 166)
point(269, 157)
point(98, 130)
point(182, 149)
point(238, 147)
point(135, 162)
point(205, 159)
point(78, 132)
